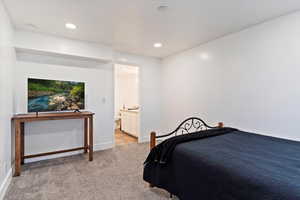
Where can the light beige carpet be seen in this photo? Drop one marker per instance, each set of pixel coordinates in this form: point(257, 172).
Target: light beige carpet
point(115, 174)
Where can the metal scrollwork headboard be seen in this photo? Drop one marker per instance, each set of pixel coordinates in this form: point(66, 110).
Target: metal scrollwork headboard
point(190, 125)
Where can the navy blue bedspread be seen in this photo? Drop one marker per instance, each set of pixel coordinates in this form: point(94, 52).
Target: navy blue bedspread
point(235, 166)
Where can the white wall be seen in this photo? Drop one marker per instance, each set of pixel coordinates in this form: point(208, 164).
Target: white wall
point(100, 89)
point(7, 59)
point(249, 80)
point(57, 135)
point(45, 56)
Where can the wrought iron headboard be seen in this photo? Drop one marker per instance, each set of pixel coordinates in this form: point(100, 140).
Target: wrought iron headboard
point(190, 125)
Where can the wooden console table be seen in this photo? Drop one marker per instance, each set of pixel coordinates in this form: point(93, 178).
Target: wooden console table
point(19, 123)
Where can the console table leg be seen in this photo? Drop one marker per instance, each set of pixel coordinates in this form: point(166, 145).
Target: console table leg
point(17, 148)
point(22, 142)
point(86, 135)
point(91, 138)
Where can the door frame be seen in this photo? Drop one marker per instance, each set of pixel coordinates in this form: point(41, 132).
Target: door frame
point(139, 97)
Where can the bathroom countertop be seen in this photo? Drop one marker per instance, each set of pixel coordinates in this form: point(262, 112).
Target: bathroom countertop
point(132, 111)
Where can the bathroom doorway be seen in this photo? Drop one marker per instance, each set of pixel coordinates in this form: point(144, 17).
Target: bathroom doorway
point(127, 106)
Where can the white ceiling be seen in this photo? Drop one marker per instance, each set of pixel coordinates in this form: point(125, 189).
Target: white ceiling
point(134, 25)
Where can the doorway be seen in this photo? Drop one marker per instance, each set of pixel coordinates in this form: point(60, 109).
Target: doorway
point(127, 106)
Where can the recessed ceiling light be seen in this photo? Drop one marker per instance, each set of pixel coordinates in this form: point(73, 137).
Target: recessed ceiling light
point(204, 56)
point(157, 45)
point(71, 26)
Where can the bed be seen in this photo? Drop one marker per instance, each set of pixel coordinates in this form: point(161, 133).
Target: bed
point(201, 162)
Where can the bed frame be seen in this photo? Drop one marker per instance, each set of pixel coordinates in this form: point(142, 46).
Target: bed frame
point(190, 125)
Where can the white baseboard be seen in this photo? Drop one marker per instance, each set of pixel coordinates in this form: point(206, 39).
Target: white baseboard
point(103, 146)
point(144, 139)
point(4, 185)
point(97, 147)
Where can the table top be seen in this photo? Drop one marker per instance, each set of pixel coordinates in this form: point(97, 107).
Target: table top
point(52, 115)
